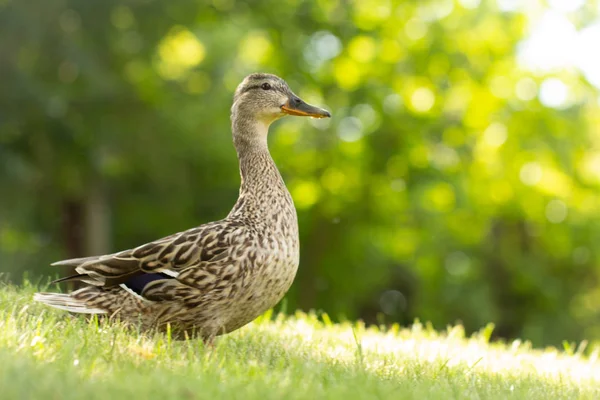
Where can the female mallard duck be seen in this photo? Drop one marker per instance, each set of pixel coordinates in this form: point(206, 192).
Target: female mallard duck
point(217, 277)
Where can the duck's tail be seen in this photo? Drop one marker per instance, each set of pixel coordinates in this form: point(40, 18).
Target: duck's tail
point(67, 302)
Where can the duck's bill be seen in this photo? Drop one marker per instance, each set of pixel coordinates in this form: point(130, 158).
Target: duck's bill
point(302, 109)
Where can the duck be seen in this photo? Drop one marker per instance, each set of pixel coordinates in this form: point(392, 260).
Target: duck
point(215, 278)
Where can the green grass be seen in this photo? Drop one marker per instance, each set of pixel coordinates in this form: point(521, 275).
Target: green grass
point(47, 354)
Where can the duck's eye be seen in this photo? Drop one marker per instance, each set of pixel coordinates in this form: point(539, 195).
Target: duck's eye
point(266, 86)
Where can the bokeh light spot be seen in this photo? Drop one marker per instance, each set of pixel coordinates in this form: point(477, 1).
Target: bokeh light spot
point(469, 3)
point(501, 87)
point(531, 173)
point(323, 46)
point(495, 135)
point(526, 89)
point(362, 49)
point(392, 302)
point(350, 129)
point(566, 5)
point(346, 73)
point(581, 255)
point(368, 116)
point(554, 93)
point(390, 52)
point(440, 197)
point(223, 5)
point(422, 100)
point(369, 13)
point(444, 157)
point(305, 193)
point(556, 211)
point(589, 61)
point(551, 44)
point(457, 263)
point(435, 10)
point(415, 29)
point(70, 21)
point(122, 18)
point(419, 156)
point(179, 51)
point(510, 5)
point(256, 48)
point(333, 179)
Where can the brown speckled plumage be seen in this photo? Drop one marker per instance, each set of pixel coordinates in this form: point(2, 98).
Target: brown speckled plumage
point(217, 277)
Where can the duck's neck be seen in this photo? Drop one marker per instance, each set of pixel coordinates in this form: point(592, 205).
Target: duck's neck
point(249, 136)
point(261, 181)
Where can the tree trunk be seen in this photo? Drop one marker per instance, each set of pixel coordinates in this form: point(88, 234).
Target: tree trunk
point(86, 225)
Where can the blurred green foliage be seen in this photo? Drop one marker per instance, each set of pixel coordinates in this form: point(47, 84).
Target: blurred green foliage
point(442, 188)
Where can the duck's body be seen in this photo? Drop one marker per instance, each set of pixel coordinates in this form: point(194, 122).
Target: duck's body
point(217, 277)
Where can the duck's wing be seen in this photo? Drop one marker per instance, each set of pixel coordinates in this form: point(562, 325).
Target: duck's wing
point(163, 258)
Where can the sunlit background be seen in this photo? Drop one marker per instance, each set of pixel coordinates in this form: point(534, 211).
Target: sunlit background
point(458, 180)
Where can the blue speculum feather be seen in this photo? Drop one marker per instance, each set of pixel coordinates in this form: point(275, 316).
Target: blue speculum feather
point(138, 283)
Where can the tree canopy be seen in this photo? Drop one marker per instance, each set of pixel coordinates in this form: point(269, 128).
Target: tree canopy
point(443, 188)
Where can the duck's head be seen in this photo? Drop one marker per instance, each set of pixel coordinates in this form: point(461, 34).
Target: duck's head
point(265, 98)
